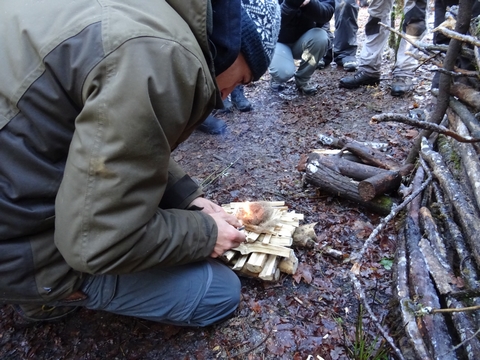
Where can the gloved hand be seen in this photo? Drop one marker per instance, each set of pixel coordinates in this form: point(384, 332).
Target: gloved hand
point(294, 3)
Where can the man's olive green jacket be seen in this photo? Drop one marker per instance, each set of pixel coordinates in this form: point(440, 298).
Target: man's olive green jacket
point(94, 95)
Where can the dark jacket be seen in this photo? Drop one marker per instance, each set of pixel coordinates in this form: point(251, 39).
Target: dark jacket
point(94, 96)
point(297, 21)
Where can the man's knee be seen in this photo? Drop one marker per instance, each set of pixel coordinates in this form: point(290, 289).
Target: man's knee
point(221, 299)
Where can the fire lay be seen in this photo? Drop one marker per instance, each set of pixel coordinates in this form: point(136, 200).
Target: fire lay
point(269, 229)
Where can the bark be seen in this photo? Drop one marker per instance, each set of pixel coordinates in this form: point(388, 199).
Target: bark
point(466, 94)
point(467, 117)
point(433, 326)
point(336, 184)
point(367, 154)
point(370, 188)
point(469, 158)
point(467, 216)
point(430, 229)
point(466, 328)
point(349, 168)
point(406, 308)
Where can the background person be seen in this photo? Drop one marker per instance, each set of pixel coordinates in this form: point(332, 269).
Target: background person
point(301, 37)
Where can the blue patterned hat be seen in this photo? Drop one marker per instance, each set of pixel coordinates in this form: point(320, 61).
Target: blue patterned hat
point(260, 28)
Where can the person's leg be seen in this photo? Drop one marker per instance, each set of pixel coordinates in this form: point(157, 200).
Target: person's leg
point(328, 58)
point(282, 66)
point(310, 48)
point(346, 27)
point(376, 37)
point(414, 28)
point(197, 294)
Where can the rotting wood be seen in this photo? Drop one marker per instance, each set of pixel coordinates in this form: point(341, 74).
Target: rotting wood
point(374, 186)
point(469, 158)
point(466, 94)
point(339, 185)
point(406, 304)
point(434, 327)
point(467, 216)
point(367, 154)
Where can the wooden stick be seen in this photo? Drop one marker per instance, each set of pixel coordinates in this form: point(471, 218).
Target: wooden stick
point(423, 125)
point(374, 186)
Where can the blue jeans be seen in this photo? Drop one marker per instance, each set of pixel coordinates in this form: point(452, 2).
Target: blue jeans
point(309, 49)
point(197, 294)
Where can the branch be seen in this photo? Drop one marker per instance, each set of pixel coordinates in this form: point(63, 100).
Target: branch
point(423, 125)
point(455, 35)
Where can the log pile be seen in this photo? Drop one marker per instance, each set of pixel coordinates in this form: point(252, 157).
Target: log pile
point(356, 172)
point(270, 231)
point(437, 271)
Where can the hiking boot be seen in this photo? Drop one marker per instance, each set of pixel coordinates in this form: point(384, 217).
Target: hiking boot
point(239, 100)
point(213, 126)
point(321, 64)
point(276, 86)
point(401, 85)
point(43, 312)
point(358, 79)
point(350, 65)
point(307, 89)
point(227, 107)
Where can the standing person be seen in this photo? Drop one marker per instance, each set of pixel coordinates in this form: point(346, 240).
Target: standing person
point(344, 50)
point(94, 97)
point(301, 37)
point(369, 70)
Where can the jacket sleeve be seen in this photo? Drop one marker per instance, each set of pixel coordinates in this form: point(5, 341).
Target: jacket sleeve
point(320, 11)
point(181, 190)
point(140, 101)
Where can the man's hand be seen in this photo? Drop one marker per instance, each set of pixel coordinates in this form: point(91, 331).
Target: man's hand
point(228, 235)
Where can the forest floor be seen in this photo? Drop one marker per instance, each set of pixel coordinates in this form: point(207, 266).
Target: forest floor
point(311, 315)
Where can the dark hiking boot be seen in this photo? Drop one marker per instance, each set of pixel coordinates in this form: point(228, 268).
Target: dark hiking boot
point(307, 89)
point(34, 313)
point(401, 85)
point(227, 107)
point(239, 100)
point(213, 126)
point(350, 65)
point(276, 86)
point(360, 78)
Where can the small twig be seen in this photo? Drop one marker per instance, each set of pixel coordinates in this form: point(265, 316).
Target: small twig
point(414, 43)
point(423, 125)
point(395, 210)
point(253, 348)
point(469, 308)
point(205, 183)
point(375, 320)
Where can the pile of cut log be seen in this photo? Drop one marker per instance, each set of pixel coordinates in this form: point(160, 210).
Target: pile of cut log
point(357, 172)
point(270, 230)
